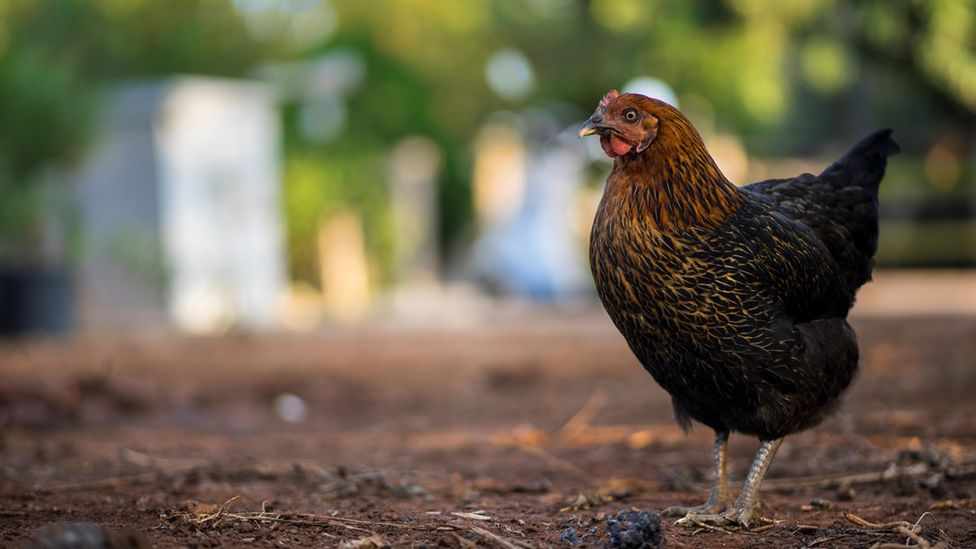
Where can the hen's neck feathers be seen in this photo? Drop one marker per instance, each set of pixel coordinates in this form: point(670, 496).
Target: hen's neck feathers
point(674, 184)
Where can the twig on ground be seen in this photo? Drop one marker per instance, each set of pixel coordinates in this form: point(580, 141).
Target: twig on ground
point(504, 542)
point(702, 524)
point(953, 504)
point(218, 513)
point(864, 523)
point(919, 521)
point(962, 470)
point(477, 515)
point(581, 419)
point(834, 481)
point(301, 519)
point(905, 528)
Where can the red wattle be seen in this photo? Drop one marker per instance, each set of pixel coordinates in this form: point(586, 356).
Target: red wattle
point(614, 146)
point(619, 146)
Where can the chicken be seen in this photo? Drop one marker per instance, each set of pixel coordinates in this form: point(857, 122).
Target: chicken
point(733, 298)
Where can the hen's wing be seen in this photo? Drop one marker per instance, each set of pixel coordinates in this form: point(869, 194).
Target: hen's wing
point(840, 205)
point(792, 266)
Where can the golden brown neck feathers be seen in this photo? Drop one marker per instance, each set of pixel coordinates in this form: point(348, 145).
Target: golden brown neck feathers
point(675, 184)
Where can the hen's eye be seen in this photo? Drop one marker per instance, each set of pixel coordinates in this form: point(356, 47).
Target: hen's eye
point(630, 115)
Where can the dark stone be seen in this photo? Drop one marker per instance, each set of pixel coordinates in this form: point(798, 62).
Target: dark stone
point(635, 530)
point(569, 536)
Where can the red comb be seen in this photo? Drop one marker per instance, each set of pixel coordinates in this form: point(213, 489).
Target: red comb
point(610, 96)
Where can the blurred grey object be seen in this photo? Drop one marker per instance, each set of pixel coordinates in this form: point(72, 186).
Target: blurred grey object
point(530, 251)
point(180, 209)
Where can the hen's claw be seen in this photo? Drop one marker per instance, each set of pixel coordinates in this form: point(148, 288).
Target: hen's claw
point(731, 518)
point(721, 520)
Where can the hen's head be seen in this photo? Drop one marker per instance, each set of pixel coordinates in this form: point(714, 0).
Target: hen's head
point(628, 124)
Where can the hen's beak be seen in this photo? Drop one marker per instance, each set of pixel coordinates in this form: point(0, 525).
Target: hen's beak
point(591, 126)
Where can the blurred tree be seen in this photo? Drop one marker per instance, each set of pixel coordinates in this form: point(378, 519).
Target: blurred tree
point(792, 77)
point(54, 57)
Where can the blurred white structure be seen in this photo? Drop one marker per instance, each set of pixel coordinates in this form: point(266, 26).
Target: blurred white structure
point(528, 246)
point(179, 209)
point(499, 174)
point(414, 165)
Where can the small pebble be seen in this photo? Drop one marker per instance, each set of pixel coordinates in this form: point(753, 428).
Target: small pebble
point(290, 408)
point(821, 504)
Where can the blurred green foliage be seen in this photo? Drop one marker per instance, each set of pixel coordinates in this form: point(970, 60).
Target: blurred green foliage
point(44, 116)
point(790, 78)
point(55, 55)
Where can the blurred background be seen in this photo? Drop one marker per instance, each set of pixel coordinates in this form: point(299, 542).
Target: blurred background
point(214, 165)
point(372, 218)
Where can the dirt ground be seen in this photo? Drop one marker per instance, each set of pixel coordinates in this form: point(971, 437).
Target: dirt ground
point(522, 435)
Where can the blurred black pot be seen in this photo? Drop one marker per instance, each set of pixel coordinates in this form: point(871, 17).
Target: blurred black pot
point(36, 301)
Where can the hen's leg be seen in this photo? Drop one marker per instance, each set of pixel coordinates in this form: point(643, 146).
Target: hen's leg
point(718, 496)
point(748, 500)
point(745, 505)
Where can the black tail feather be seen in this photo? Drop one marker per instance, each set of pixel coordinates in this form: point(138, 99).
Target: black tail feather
point(841, 204)
point(868, 159)
point(864, 167)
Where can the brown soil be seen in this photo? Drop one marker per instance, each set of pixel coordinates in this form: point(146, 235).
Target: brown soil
point(508, 437)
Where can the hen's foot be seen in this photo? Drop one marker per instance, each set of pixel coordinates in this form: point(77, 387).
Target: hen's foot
point(731, 519)
point(743, 514)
